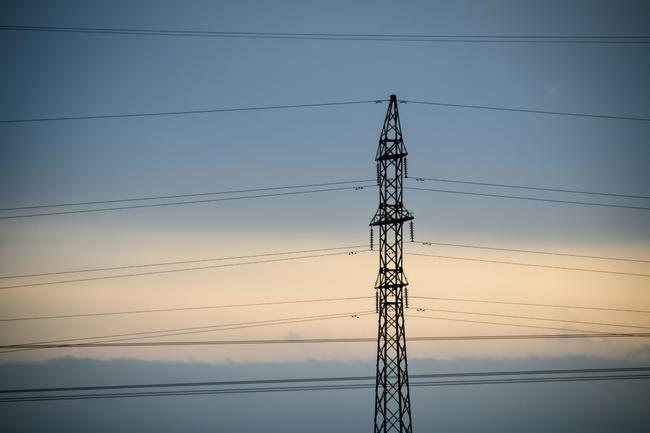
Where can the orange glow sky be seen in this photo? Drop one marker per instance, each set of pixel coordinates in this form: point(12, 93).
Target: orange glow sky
point(328, 277)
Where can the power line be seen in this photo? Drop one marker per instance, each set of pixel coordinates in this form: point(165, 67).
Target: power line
point(320, 340)
point(196, 329)
point(547, 200)
point(327, 379)
point(301, 252)
point(181, 262)
point(242, 325)
point(161, 197)
point(211, 328)
point(581, 307)
point(518, 325)
point(189, 112)
point(502, 262)
point(169, 271)
point(162, 310)
point(515, 250)
point(525, 110)
point(300, 301)
point(546, 319)
point(60, 397)
point(466, 38)
point(534, 188)
point(177, 203)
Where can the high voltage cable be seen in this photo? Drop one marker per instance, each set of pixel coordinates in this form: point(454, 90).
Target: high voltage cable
point(320, 388)
point(205, 328)
point(518, 325)
point(197, 329)
point(535, 265)
point(177, 203)
point(311, 186)
point(312, 301)
point(322, 340)
point(245, 390)
point(211, 328)
point(325, 104)
point(545, 319)
point(581, 307)
point(162, 197)
point(161, 310)
point(425, 243)
point(382, 37)
point(181, 262)
point(119, 342)
point(66, 343)
point(530, 111)
point(516, 250)
point(300, 301)
point(547, 200)
point(189, 112)
point(326, 379)
point(169, 271)
point(534, 188)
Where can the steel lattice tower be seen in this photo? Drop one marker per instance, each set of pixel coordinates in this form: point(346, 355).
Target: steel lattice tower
point(392, 401)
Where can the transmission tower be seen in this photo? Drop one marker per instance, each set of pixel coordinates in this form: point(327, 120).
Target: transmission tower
point(392, 401)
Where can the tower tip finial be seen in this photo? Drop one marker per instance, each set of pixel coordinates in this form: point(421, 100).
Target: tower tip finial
point(393, 97)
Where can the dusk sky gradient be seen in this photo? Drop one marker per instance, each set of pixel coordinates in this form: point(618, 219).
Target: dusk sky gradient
point(45, 75)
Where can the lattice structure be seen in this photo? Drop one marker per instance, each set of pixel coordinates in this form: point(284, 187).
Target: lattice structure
point(392, 401)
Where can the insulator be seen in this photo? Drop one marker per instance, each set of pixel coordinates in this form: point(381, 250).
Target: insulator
point(376, 301)
point(406, 295)
point(412, 231)
point(378, 175)
point(372, 239)
point(406, 167)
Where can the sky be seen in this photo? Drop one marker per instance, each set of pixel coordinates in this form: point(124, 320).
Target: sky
point(76, 74)
point(564, 407)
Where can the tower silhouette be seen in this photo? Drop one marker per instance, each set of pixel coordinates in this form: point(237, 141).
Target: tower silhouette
point(392, 401)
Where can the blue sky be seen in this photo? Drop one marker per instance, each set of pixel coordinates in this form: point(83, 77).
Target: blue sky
point(72, 74)
point(61, 74)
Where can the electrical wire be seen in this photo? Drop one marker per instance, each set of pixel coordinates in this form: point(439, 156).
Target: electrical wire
point(383, 37)
point(551, 379)
point(169, 271)
point(119, 342)
point(186, 202)
point(515, 197)
point(525, 110)
point(327, 379)
point(209, 328)
point(425, 243)
point(529, 304)
point(163, 310)
point(545, 319)
point(188, 112)
point(534, 188)
point(515, 250)
point(162, 197)
point(321, 340)
point(200, 329)
point(535, 265)
point(518, 325)
point(181, 262)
